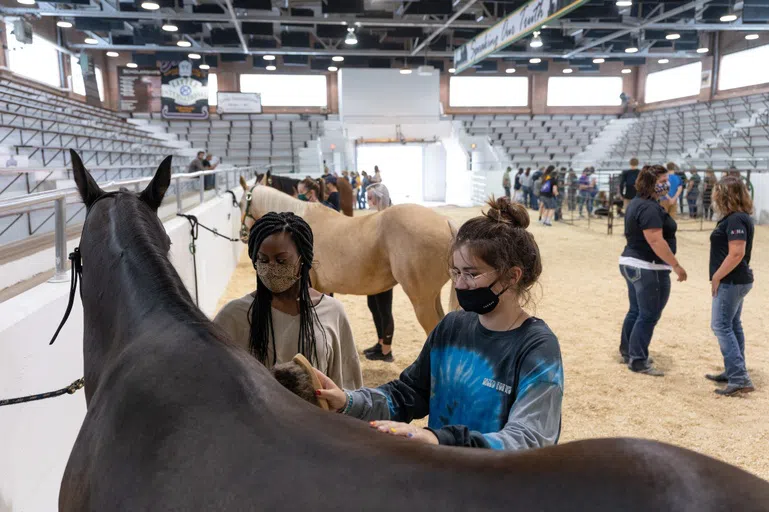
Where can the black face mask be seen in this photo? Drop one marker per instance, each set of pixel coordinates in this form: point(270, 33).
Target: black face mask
point(479, 300)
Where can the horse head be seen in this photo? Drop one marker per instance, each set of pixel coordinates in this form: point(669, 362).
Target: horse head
point(260, 199)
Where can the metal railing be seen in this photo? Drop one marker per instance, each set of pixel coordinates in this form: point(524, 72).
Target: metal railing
point(22, 204)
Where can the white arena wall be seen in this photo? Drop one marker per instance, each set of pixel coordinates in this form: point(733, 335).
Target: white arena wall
point(45, 430)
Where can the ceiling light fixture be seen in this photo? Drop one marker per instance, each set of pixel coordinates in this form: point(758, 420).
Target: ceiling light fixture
point(90, 40)
point(626, 71)
point(170, 28)
point(452, 70)
point(480, 18)
point(599, 61)
point(132, 65)
point(26, 2)
point(337, 58)
point(63, 24)
point(270, 68)
point(536, 41)
point(663, 61)
point(194, 56)
point(405, 71)
point(568, 71)
point(333, 69)
point(510, 71)
point(112, 54)
point(350, 39)
point(673, 37)
point(624, 3)
point(183, 43)
point(751, 37)
point(150, 6)
point(268, 57)
point(703, 50)
point(632, 49)
point(535, 60)
point(205, 66)
point(728, 18)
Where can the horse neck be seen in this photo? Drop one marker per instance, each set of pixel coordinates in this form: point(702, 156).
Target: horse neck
point(271, 200)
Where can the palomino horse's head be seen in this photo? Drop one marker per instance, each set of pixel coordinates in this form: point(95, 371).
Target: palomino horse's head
point(260, 199)
point(141, 207)
point(247, 219)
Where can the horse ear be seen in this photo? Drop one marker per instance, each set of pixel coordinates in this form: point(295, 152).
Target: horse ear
point(153, 194)
point(243, 183)
point(86, 185)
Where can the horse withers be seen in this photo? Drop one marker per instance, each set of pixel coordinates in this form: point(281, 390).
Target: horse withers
point(179, 419)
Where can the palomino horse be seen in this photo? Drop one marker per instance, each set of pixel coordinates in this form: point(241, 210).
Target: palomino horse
point(406, 244)
point(289, 186)
point(179, 418)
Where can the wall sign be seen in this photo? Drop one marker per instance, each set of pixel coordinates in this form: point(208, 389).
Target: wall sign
point(509, 30)
point(238, 103)
point(139, 89)
point(184, 90)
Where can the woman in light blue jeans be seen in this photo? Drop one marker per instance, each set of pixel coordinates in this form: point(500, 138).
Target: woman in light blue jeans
point(731, 244)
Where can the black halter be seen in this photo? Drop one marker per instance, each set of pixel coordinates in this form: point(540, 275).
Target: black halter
point(77, 271)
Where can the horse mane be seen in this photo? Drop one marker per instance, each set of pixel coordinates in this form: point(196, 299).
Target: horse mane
point(269, 199)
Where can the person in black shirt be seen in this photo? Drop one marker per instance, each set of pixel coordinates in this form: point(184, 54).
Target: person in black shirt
point(518, 187)
point(646, 262)
point(333, 195)
point(731, 244)
point(490, 376)
point(549, 192)
point(627, 182)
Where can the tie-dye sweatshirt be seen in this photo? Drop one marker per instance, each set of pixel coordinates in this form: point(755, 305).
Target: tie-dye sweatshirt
point(486, 389)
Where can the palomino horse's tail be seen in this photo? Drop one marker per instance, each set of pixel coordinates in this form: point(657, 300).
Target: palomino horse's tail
point(453, 301)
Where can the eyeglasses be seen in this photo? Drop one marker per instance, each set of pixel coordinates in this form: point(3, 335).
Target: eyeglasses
point(470, 279)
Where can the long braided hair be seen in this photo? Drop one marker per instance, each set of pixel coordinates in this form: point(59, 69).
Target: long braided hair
point(261, 309)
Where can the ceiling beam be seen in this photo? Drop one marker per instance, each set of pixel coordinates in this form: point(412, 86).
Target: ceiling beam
point(235, 22)
point(701, 27)
point(661, 17)
point(372, 53)
point(446, 25)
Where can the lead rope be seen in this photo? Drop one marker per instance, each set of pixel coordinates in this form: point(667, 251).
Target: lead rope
point(77, 274)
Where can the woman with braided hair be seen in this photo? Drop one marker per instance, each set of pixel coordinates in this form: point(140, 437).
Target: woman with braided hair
point(285, 315)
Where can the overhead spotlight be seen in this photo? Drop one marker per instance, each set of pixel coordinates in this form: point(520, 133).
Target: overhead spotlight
point(452, 70)
point(624, 3)
point(170, 28)
point(728, 18)
point(703, 50)
point(112, 54)
point(333, 69)
point(26, 2)
point(663, 61)
point(535, 60)
point(543, 26)
point(350, 39)
point(568, 71)
point(132, 65)
point(337, 58)
point(204, 66)
point(344, 23)
point(626, 71)
point(63, 24)
point(510, 71)
point(183, 43)
point(599, 61)
point(405, 71)
point(270, 68)
point(268, 57)
point(194, 56)
point(150, 6)
point(90, 40)
point(632, 49)
point(673, 37)
point(536, 41)
point(358, 24)
point(480, 18)
point(751, 37)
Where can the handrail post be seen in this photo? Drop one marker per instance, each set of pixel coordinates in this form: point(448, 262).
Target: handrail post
point(178, 195)
point(60, 240)
point(202, 184)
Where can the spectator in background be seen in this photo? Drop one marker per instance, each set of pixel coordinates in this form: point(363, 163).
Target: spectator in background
point(585, 198)
point(209, 182)
point(707, 194)
point(526, 182)
point(333, 194)
point(682, 176)
point(573, 183)
point(670, 201)
point(377, 178)
point(560, 181)
point(506, 182)
point(627, 182)
point(536, 186)
point(365, 181)
point(355, 182)
point(731, 244)
point(518, 187)
point(308, 190)
point(693, 192)
point(197, 164)
point(326, 172)
point(549, 193)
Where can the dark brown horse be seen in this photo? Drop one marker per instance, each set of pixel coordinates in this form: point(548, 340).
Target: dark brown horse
point(179, 419)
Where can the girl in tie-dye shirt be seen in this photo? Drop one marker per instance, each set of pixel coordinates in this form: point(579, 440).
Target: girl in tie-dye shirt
point(489, 376)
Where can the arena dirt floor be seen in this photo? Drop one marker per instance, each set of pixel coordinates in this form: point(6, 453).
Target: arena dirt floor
point(584, 299)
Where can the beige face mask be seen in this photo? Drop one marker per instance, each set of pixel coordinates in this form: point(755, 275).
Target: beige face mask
point(277, 277)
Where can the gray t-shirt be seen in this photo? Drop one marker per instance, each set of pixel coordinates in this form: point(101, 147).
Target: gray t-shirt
point(337, 356)
point(195, 166)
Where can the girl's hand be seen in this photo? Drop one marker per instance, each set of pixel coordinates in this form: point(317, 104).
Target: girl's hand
point(335, 397)
point(412, 432)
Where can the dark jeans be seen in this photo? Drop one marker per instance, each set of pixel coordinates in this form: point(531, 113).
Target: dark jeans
point(209, 182)
point(507, 192)
point(692, 201)
point(648, 293)
point(527, 196)
point(362, 199)
point(727, 326)
point(381, 307)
